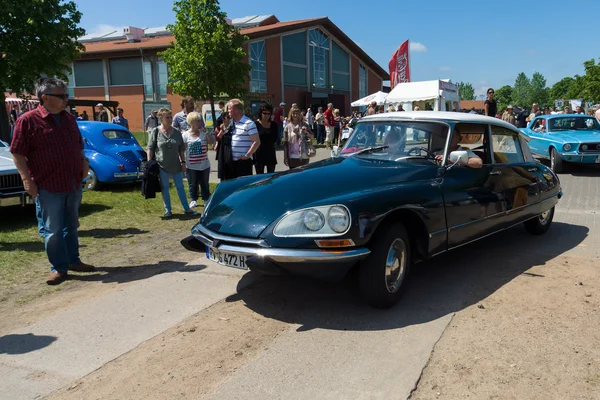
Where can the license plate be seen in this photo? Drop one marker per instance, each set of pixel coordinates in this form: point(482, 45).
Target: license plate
point(227, 259)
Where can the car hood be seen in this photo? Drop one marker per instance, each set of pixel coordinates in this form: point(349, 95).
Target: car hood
point(578, 136)
point(7, 164)
point(246, 209)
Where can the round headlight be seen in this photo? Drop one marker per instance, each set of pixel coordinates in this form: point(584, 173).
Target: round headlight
point(314, 220)
point(584, 147)
point(567, 147)
point(338, 219)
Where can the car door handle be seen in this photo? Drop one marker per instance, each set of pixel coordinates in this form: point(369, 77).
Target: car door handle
point(532, 169)
point(495, 172)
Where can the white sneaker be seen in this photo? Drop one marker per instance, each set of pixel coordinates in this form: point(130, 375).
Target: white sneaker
point(193, 204)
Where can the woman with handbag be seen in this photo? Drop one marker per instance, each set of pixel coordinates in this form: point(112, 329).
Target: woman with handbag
point(167, 146)
point(297, 141)
point(226, 169)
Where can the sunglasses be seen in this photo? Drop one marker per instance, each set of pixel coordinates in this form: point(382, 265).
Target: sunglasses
point(490, 92)
point(60, 96)
point(266, 113)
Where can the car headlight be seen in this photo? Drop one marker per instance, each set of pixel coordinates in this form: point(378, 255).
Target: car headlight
point(314, 222)
point(584, 147)
point(567, 147)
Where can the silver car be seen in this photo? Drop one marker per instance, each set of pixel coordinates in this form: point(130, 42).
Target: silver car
point(11, 186)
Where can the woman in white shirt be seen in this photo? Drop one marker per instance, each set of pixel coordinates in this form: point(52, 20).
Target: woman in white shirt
point(197, 162)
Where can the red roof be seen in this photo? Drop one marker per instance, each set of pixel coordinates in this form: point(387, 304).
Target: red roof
point(161, 42)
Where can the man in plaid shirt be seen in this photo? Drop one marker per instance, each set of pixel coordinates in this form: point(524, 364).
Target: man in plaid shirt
point(47, 149)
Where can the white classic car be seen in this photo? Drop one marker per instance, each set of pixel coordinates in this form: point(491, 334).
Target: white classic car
point(11, 186)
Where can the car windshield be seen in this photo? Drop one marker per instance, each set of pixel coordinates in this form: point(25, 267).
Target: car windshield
point(574, 123)
point(395, 140)
point(116, 134)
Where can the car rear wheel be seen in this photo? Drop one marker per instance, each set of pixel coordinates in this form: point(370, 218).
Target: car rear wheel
point(383, 273)
point(540, 224)
point(92, 182)
point(556, 163)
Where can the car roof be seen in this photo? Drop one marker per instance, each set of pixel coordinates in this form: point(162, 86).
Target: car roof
point(442, 116)
point(94, 125)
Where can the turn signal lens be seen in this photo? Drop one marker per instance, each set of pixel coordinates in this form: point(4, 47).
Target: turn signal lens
point(334, 243)
point(121, 167)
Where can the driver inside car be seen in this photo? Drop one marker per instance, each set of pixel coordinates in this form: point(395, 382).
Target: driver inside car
point(474, 160)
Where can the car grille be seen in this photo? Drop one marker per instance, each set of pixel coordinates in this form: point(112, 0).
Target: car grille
point(129, 156)
point(590, 148)
point(11, 181)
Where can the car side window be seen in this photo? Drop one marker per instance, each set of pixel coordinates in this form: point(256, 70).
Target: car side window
point(116, 134)
point(506, 146)
point(473, 137)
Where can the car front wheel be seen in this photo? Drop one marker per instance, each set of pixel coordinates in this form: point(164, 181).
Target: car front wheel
point(382, 274)
point(540, 224)
point(556, 163)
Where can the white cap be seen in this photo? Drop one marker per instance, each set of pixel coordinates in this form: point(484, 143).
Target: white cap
point(281, 104)
point(99, 105)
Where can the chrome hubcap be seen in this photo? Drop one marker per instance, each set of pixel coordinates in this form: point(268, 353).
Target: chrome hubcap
point(91, 179)
point(544, 217)
point(552, 161)
point(395, 265)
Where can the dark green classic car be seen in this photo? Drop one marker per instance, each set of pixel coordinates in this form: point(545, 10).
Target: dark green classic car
point(402, 190)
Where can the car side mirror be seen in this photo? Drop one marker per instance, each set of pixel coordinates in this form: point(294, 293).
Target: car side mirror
point(459, 157)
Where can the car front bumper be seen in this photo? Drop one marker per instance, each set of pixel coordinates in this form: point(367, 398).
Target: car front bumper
point(583, 158)
point(134, 175)
point(317, 263)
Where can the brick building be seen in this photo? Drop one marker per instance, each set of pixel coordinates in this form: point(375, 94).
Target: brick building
point(310, 62)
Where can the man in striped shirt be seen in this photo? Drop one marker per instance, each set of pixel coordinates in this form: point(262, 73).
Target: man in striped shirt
point(244, 141)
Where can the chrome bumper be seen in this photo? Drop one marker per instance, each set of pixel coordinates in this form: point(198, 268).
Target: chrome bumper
point(259, 248)
point(127, 175)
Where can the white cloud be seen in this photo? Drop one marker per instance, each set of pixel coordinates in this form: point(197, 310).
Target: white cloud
point(103, 29)
point(417, 47)
point(445, 68)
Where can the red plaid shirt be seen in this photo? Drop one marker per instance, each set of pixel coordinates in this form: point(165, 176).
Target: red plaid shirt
point(53, 152)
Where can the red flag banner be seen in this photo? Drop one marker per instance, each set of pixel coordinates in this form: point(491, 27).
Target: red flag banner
point(399, 66)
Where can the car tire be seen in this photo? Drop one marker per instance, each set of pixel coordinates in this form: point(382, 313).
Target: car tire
point(541, 223)
point(92, 182)
point(556, 163)
point(383, 273)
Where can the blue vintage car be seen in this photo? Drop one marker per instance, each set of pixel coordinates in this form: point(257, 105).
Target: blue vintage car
point(565, 138)
point(114, 153)
point(388, 202)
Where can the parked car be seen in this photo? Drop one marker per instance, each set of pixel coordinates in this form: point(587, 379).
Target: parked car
point(11, 186)
point(114, 153)
point(382, 207)
point(564, 138)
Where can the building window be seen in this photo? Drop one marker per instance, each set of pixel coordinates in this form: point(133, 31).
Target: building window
point(318, 43)
point(340, 67)
point(148, 83)
point(362, 82)
point(258, 62)
point(163, 78)
point(125, 71)
point(70, 81)
point(89, 73)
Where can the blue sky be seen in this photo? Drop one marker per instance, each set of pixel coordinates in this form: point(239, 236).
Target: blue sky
point(484, 43)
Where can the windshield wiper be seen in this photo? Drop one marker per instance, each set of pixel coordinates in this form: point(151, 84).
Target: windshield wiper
point(370, 150)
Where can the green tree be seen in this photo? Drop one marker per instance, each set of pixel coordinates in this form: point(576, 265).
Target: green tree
point(504, 96)
point(591, 81)
point(466, 91)
point(36, 37)
point(538, 91)
point(560, 89)
point(207, 58)
point(522, 90)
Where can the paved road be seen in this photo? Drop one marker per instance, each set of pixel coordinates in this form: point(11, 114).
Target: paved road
point(335, 346)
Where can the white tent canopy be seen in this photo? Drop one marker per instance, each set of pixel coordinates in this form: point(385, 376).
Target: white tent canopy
point(438, 91)
point(379, 97)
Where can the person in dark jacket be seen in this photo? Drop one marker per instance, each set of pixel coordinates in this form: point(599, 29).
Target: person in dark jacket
point(265, 156)
point(224, 150)
point(150, 179)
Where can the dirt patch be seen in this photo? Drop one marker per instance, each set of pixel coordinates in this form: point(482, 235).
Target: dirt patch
point(535, 338)
point(186, 362)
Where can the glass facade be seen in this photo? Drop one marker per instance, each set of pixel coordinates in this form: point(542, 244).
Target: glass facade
point(318, 44)
point(148, 82)
point(125, 71)
point(163, 78)
point(89, 73)
point(258, 62)
point(340, 67)
point(362, 81)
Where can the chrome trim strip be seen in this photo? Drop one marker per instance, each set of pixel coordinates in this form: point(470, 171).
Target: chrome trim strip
point(126, 174)
point(200, 233)
point(298, 255)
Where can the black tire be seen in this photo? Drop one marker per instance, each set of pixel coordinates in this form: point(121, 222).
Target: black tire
point(540, 224)
point(92, 182)
point(556, 163)
point(379, 286)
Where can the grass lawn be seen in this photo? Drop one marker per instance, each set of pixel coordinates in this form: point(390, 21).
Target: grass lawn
point(118, 227)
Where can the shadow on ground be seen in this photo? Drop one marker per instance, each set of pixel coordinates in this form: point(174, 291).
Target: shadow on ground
point(101, 233)
point(135, 273)
point(443, 285)
point(24, 343)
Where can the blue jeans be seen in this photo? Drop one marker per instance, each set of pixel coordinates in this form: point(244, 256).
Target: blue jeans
point(60, 215)
point(164, 187)
point(196, 178)
point(38, 216)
